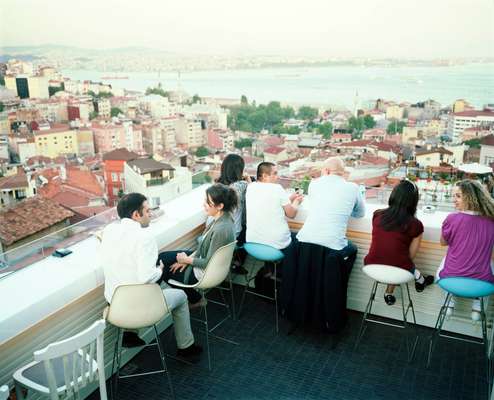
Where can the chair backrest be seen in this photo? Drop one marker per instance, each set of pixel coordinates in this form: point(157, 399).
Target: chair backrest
point(137, 306)
point(466, 287)
point(218, 267)
point(388, 274)
point(80, 366)
point(4, 392)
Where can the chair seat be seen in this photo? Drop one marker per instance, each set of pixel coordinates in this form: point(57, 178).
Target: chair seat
point(33, 375)
point(263, 252)
point(466, 287)
point(388, 274)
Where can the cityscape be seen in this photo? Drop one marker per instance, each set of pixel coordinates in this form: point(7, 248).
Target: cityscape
point(152, 98)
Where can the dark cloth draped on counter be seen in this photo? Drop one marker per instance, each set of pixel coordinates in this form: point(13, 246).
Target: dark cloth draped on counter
point(314, 286)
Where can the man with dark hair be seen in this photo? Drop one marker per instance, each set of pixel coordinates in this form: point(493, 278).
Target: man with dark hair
point(129, 255)
point(267, 205)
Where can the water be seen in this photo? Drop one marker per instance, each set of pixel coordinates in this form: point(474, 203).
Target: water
point(335, 86)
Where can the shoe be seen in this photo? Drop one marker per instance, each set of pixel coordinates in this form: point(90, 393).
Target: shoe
point(389, 299)
point(131, 339)
point(201, 303)
point(192, 351)
point(475, 316)
point(428, 280)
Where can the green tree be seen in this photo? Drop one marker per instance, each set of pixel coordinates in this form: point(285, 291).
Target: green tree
point(157, 90)
point(202, 152)
point(241, 143)
point(2, 107)
point(2, 80)
point(326, 130)
point(243, 100)
point(93, 115)
point(473, 143)
point(115, 111)
point(54, 89)
point(396, 127)
point(196, 99)
point(307, 113)
point(369, 122)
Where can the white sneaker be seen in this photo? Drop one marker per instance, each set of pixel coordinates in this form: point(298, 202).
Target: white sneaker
point(476, 310)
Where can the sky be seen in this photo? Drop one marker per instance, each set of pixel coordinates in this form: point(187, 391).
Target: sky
point(329, 28)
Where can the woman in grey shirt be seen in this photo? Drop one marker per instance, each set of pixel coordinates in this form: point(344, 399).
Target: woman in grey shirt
point(232, 174)
point(219, 204)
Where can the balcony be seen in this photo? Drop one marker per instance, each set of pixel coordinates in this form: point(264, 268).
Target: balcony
point(45, 299)
point(156, 181)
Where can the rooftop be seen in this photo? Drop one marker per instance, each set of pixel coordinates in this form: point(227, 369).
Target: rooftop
point(146, 165)
point(120, 154)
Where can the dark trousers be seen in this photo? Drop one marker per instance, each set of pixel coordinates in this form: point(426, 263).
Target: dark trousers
point(169, 258)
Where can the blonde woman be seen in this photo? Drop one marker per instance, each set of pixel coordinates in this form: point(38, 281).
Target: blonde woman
point(469, 235)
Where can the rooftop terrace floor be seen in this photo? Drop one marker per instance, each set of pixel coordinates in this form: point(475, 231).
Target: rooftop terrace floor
point(310, 365)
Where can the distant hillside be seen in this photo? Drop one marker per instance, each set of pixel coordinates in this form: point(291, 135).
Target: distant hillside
point(23, 57)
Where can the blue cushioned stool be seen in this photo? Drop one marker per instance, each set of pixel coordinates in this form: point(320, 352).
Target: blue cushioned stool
point(468, 288)
point(264, 253)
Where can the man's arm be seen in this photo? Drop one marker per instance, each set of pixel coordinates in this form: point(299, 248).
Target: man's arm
point(359, 207)
point(146, 255)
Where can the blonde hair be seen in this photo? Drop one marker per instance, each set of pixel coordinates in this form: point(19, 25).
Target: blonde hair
point(476, 198)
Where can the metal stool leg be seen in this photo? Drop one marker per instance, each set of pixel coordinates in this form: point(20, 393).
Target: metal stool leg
point(276, 297)
point(437, 328)
point(248, 279)
point(483, 319)
point(207, 333)
point(163, 362)
point(231, 294)
point(115, 351)
point(368, 309)
point(119, 357)
point(410, 346)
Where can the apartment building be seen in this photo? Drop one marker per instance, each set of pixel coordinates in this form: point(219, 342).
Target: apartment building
point(56, 140)
point(469, 119)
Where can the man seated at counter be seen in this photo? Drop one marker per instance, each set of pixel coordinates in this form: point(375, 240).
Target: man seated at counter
point(129, 255)
point(333, 200)
point(267, 205)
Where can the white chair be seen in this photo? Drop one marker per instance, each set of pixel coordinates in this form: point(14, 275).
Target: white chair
point(63, 368)
point(389, 275)
point(4, 392)
point(134, 307)
point(216, 271)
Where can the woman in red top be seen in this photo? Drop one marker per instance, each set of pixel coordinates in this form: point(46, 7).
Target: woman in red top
point(396, 236)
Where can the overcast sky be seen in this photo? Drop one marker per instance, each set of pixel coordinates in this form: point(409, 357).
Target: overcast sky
point(347, 28)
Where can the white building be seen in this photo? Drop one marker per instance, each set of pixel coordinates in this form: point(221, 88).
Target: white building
point(487, 150)
point(159, 182)
point(190, 132)
point(469, 119)
point(158, 106)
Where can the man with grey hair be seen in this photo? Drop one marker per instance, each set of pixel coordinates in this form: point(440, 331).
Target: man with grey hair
point(333, 200)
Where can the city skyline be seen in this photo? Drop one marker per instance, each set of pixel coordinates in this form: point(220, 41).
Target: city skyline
point(381, 29)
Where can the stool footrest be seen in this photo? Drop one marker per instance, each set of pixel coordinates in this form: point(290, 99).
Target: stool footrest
point(142, 374)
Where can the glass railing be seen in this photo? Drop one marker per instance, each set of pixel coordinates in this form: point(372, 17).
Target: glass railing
point(28, 253)
point(156, 181)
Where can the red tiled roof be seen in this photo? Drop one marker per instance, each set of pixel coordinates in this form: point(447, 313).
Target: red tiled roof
point(29, 217)
point(357, 143)
point(474, 113)
point(120, 154)
point(14, 181)
point(274, 150)
point(374, 132)
point(383, 146)
point(273, 141)
point(440, 150)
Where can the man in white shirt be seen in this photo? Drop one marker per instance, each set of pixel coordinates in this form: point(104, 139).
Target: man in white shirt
point(129, 255)
point(267, 205)
point(332, 201)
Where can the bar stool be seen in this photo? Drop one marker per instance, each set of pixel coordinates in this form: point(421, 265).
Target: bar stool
point(134, 307)
point(469, 288)
point(390, 275)
point(264, 253)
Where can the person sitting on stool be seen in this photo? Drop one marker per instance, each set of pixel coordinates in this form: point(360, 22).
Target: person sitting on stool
point(129, 256)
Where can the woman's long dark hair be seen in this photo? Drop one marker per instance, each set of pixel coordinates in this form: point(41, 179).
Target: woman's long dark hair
point(220, 193)
point(402, 207)
point(232, 169)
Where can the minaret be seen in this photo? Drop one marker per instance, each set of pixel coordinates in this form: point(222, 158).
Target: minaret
point(356, 104)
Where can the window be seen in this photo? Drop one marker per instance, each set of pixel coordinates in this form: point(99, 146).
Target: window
point(114, 177)
point(115, 191)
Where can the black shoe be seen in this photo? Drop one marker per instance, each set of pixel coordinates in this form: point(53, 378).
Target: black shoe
point(428, 280)
point(192, 351)
point(131, 339)
point(389, 299)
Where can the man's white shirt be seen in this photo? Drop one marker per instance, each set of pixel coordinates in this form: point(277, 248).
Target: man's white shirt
point(266, 221)
point(128, 255)
point(332, 201)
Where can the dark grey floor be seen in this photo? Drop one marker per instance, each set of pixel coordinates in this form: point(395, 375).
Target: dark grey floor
point(310, 365)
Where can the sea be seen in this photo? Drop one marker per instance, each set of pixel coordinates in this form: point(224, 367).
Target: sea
point(334, 86)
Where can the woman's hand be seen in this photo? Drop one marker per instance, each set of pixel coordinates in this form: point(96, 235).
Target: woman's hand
point(183, 258)
point(177, 267)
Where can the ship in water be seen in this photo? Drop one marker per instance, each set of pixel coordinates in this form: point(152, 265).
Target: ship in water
point(114, 77)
